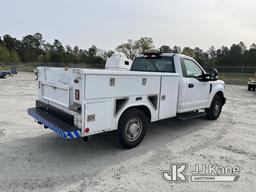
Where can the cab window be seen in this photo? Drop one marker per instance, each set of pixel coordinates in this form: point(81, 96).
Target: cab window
point(190, 68)
point(158, 64)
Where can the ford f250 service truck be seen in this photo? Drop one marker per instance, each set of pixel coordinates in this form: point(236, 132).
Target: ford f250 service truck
point(76, 102)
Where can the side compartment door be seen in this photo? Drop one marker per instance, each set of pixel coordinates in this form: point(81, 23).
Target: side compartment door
point(98, 117)
point(197, 91)
point(168, 97)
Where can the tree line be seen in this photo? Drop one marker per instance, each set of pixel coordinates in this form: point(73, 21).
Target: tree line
point(33, 48)
point(236, 55)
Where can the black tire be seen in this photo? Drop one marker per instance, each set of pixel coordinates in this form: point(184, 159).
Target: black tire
point(249, 87)
point(132, 128)
point(215, 109)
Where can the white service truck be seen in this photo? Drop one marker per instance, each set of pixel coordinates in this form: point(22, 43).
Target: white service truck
point(76, 102)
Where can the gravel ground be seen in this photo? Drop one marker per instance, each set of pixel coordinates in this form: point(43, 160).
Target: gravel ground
point(35, 159)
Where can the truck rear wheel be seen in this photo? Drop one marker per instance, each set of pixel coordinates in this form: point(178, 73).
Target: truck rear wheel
point(215, 109)
point(131, 128)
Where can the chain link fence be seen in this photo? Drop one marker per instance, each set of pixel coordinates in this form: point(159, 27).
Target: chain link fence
point(230, 74)
point(235, 74)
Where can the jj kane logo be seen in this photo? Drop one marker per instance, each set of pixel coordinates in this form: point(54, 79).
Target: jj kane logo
point(176, 173)
point(201, 173)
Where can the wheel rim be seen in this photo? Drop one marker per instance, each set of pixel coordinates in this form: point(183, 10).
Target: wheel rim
point(133, 129)
point(217, 108)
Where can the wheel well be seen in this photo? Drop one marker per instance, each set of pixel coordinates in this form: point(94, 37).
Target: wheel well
point(143, 108)
point(220, 93)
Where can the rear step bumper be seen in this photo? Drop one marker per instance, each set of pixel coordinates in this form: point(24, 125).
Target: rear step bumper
point(60, 127)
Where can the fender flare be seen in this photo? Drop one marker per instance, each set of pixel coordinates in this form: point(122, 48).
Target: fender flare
point(217, 91)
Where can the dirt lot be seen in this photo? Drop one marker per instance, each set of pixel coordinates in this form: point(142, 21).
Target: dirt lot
point(35, 159)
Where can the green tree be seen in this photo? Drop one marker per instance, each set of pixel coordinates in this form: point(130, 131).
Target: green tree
point(4, 54)
point(143, 44)
point(76, 50)
point(40, 40)
point(176, 49)
point(212, 52)
point(9, 42)
point(57, 52)
point(13, 57)
point(165, 49)
point(188, 51)
point(92, 51)
point(31, 48)
point(253, 46)
point(201, 57)
point(8, 56)
point(129, 49)
point(133, 47)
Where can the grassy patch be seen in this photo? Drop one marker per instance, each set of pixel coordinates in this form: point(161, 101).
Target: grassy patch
point(4, 68)
point(236, 78)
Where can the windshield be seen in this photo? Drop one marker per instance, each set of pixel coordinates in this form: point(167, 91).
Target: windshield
point(155, 64)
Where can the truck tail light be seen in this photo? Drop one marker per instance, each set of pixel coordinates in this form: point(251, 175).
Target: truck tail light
point(77, 94)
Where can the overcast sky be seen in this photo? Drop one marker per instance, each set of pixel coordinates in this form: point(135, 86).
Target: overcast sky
point(107, 23)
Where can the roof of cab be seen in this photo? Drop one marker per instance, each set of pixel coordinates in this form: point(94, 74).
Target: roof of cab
point(168, 55)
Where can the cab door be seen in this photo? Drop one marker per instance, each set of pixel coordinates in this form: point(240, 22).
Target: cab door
point(197, 92)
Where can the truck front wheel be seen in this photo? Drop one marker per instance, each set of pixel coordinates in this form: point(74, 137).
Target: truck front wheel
point(215, 109)
point(131, 128)
point(249, 87)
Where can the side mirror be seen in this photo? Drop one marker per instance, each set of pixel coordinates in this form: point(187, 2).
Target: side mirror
point(213, 74)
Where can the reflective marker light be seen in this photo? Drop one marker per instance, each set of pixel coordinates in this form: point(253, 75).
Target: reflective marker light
point(86, 130)
point(77, 94)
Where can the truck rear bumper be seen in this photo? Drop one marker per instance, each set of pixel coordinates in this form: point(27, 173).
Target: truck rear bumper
point(60, 127)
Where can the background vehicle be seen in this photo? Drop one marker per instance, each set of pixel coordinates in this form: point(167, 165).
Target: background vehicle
point(252, 83)
point(81, 102)
point(9, 72)
point(2, 74)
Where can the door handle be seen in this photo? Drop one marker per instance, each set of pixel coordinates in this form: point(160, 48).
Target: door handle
point(191, 85)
